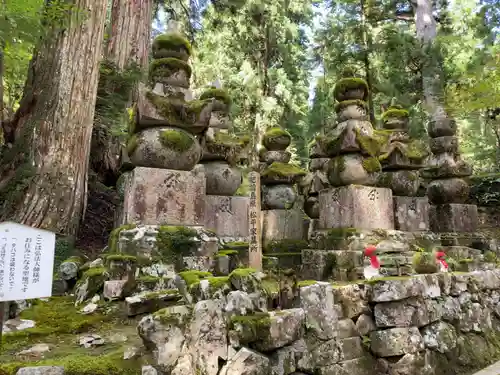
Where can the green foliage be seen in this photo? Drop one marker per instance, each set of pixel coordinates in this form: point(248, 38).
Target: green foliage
point(485, 189)
point(114, 92)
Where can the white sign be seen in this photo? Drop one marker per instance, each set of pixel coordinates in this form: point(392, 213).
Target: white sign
point(26, 262)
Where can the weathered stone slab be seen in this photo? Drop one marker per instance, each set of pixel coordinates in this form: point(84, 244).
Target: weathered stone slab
point(356, 206)
point(317, 264)
point(227, 216)
point(411, 213)
point(409, 312)
point(282, 224)
point(318, 304)
point(396, 341)
point(165, 196)
point(453, 217)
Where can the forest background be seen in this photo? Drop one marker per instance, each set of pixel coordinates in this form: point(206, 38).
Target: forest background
point(279, 61)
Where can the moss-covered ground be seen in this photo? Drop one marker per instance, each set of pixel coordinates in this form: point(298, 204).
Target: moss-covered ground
point(59, 324)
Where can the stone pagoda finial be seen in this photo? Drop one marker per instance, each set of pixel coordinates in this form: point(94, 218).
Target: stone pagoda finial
point(163, 134)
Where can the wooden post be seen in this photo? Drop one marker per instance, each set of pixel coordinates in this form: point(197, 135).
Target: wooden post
point(254, 223)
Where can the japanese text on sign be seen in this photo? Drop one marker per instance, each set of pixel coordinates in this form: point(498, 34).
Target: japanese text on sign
point(26, 262)
point(255, 251)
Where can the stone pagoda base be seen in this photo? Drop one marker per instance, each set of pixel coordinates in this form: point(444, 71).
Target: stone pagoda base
point(356, 206)
point(279, 225)
point(227, 216)
point(453, 217)
point(169, 197)
point(169, 248)
point(411, 214)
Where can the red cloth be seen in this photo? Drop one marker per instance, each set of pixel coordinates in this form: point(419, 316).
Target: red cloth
point(370, 253)
point(440, 257)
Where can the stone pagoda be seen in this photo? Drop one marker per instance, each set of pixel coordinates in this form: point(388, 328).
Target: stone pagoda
point(315, 181)
point(163, 212)
point(402, 158)
point(282, 216)
point(353, 203)
point(226, 214)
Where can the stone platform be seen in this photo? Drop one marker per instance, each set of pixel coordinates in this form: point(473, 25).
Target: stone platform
point(280, 225)
point(169, 197)
point(356, 206)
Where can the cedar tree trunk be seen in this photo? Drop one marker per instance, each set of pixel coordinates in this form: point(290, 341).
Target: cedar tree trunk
point(129, 43)
point(432, 85)
point(43, 177)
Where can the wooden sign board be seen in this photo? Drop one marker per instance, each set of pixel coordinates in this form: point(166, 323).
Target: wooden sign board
point(254, 223)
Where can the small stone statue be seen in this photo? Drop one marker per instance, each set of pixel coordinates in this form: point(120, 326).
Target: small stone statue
point(373, 270)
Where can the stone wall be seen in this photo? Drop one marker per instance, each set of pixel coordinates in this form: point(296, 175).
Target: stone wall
point(433, 324)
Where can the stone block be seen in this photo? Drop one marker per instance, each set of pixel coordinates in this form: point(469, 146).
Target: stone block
point(169, 197)
point(411, 214)
point(227, 216)
point(396, 341)
point(280, 225)
point(356, 206)
point(453, 217)
point(406, 313)
point(317, 264)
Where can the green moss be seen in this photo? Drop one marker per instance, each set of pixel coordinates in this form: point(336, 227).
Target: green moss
point(236, 245)
point(218, 282)
point(277, 132)
point(283, 170)
point(172, 41)
point(176, 139)
point(253, 327)
point(175, 315)
point(371, 164)
point(243, 272)
point(231, 139)
point(115, 235)
point(55, 317)
point(424, 262)
point(160, 293)
point(83, 364)
point(146, 279)
point(132, 144)
point(223, 253)
point(416, 150)
point(270, 286)
point(121, 258)
point(177, 113)
point(394, 113)
point(306, 283)
point(218, 94)
point(286, 246)
point(345, 103)
point(490, 257)
point(350, 83)
point(175, 241)
point(165, 67)
point(194, 276)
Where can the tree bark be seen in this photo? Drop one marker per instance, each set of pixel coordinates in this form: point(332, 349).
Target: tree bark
point(426, 30)
point(129, 43)
point(43, 177)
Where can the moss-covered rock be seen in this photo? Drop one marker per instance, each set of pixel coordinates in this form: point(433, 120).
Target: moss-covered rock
point(282, 173)
point(425, 262)
point(193, 276)
point(176, 140)
point(340, 106)
point(393, 112)
point(276, 139)
point(91, 283)
point(226, 147)
point(171, 45)
point(114, 237)
point(174, 242)
point(350, 88)
point(184, 115)
point(285, 246)
point(219, 94)
point(166, 67)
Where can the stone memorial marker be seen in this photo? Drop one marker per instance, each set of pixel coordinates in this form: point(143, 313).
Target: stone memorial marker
point(254, 221)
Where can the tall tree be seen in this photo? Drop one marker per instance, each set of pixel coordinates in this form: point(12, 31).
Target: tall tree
point(126, 56)
point(43, 176)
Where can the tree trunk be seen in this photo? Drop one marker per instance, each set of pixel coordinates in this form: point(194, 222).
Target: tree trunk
point(129, 43)
point(43, 177)
point(426, 29)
